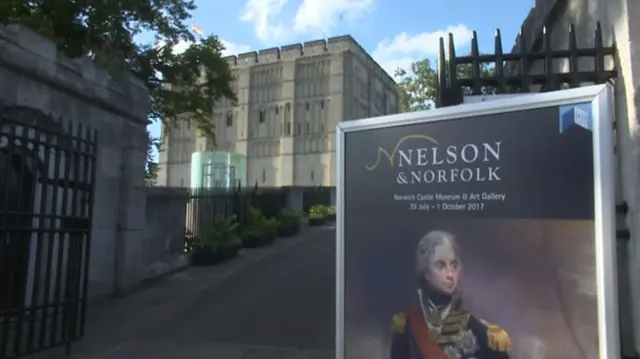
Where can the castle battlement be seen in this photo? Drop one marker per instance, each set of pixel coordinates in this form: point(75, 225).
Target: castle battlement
point(293, 52)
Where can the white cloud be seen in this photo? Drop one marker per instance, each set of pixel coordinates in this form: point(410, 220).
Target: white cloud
point(322, 15)
point(230, 48)
point(315, 17)
point(263, 14)
point(181, 47)
point(405, 49)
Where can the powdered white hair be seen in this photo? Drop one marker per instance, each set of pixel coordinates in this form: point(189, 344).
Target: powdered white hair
point(427, 247)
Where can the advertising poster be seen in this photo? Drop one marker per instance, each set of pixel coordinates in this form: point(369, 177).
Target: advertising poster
point(475, 237)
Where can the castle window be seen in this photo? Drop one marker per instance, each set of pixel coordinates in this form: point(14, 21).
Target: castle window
point(262, 117)
point(287, 129)
point(229, 120)
point(307, 106)
point(322, 105)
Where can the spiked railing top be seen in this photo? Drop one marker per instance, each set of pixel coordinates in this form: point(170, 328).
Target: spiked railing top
point(511, 72)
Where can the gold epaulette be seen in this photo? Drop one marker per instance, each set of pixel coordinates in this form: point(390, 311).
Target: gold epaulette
point(497, 338)
point(399, 323)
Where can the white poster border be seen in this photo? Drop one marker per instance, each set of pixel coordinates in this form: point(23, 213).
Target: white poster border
point(601, 98)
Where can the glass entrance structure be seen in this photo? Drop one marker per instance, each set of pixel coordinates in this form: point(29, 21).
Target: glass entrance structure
point(218, 170)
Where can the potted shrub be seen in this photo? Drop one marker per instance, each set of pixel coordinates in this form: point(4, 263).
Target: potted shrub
point(225, 232)
point(218, 243)
point(289, 223)
point(330, 213)
point(316, 216)
point(258, 230)
point(270, 228)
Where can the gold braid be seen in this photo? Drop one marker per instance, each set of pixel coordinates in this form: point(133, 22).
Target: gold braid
point(497, 338)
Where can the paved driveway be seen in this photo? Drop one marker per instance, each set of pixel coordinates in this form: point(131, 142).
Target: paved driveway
point(273, 302)
point(284, 301)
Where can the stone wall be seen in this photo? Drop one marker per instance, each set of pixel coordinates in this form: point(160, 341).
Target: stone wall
point(619, 26)
point(163, 245)
point(34, 75)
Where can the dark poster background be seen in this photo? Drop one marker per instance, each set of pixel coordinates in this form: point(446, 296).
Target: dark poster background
point(545, 173)
point(528, 263)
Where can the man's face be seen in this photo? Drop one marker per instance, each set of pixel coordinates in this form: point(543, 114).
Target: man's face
point(444, 270)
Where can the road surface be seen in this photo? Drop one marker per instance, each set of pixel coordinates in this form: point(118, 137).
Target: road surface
point(287, 300)
point(273, 302)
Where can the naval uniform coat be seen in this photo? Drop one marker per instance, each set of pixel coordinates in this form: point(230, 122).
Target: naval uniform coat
point(462, 336)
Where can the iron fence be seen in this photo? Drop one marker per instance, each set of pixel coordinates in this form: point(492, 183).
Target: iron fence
point(511, 72)
point(205, 204)
point(46, 202)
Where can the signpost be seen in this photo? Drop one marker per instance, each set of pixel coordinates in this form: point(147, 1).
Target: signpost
point(479, 231)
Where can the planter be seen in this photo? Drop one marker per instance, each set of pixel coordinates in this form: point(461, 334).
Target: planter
point(228, 251)
point(331, 217)
point(206, 257)
point(288, 231)
point(317, 221)
point(257, 240)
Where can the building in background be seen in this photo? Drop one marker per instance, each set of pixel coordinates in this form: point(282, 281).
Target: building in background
point(290, 100)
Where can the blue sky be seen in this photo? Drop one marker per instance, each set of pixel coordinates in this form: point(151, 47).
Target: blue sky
point(395, 32)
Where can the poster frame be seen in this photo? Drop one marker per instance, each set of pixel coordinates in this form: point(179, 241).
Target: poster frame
point(601, 99)
point(485, 98)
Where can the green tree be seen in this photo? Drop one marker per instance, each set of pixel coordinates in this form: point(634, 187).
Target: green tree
point(417, 88)
point(179, 83)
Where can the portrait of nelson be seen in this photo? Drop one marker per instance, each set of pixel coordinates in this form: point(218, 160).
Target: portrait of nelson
point(436, 325)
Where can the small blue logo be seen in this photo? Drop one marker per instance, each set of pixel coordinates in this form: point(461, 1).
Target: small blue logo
point(575, 115)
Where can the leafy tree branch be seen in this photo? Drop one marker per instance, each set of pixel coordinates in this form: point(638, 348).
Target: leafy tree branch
point(180, 85)
point(417, 87)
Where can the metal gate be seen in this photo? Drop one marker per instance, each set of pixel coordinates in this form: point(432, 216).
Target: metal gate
point(46, 199)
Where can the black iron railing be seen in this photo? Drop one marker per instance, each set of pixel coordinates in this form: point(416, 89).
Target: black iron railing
point(47, 181)
point(511, 72)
